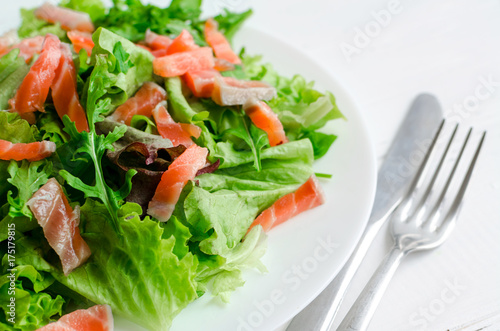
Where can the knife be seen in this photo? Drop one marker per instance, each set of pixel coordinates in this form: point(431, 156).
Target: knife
point(405, 154)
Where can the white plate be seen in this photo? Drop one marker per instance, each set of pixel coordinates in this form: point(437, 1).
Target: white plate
point(305, 253)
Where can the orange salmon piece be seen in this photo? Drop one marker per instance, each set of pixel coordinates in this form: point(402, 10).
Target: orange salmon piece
point(265, 119)
point(219, 43)
point(69, 19)
point(142, 103)
point(230, 91)
point(95, 318)
point(81, 40)
point(178, 64)
point(182, 43)
point(156, 41)
point(177, 133)
point(34, 89)
point(183, 169)
point(64, 94)
point(34, 151)
point(201, 83)
point(307, 196)
point(60, 225)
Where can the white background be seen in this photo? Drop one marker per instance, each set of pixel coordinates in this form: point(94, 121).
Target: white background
point(442, 47)
point(446, 48)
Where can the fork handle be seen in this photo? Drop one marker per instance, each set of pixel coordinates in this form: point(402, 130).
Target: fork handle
point(359, 316)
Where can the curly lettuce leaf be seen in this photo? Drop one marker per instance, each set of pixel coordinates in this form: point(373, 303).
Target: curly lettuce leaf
point(27, 177)
point(138, 274)
point(221, 276)
point(34, 308)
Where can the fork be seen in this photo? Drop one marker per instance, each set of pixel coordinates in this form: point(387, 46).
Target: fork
point(417, 224)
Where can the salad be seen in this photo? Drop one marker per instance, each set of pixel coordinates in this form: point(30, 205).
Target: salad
point(143, 161)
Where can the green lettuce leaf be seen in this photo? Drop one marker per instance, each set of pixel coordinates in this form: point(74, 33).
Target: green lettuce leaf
point(222, 275)
point(222, 206)
point(13, 69)
point(138, 274)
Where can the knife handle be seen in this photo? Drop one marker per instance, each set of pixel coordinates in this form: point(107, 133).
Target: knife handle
point(319, 314)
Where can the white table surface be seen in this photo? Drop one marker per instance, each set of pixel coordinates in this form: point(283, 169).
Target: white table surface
point(448, 48)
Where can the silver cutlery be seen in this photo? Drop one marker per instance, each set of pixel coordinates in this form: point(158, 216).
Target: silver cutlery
point(419, 223)
point(412, 139)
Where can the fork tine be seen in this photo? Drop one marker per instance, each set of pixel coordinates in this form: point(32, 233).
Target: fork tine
point(434, 215)
point(417, 180)
point(450, 219)
point(421, 207)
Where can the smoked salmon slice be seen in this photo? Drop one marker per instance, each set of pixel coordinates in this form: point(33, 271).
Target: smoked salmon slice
point(156, 41)
point(219, 43)
point(183, 169)
point(95, 318)
point(201, 83)
point(307, 196)
point(182, 43)
point(81, 40)
point(34, 89)
point(228, 91)
point(178, 64)
point(69, 19)
point(60, 224)
point(142, 103)
point(177, 133)
point(265, 119)
point(31, 151)
point(27, 48)
point(223, 65)
point(64, 94)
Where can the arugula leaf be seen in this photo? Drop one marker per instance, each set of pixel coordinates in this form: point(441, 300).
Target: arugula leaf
point(95, 146)
point(138, 275)
point(27, 178)
point(230, 23)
